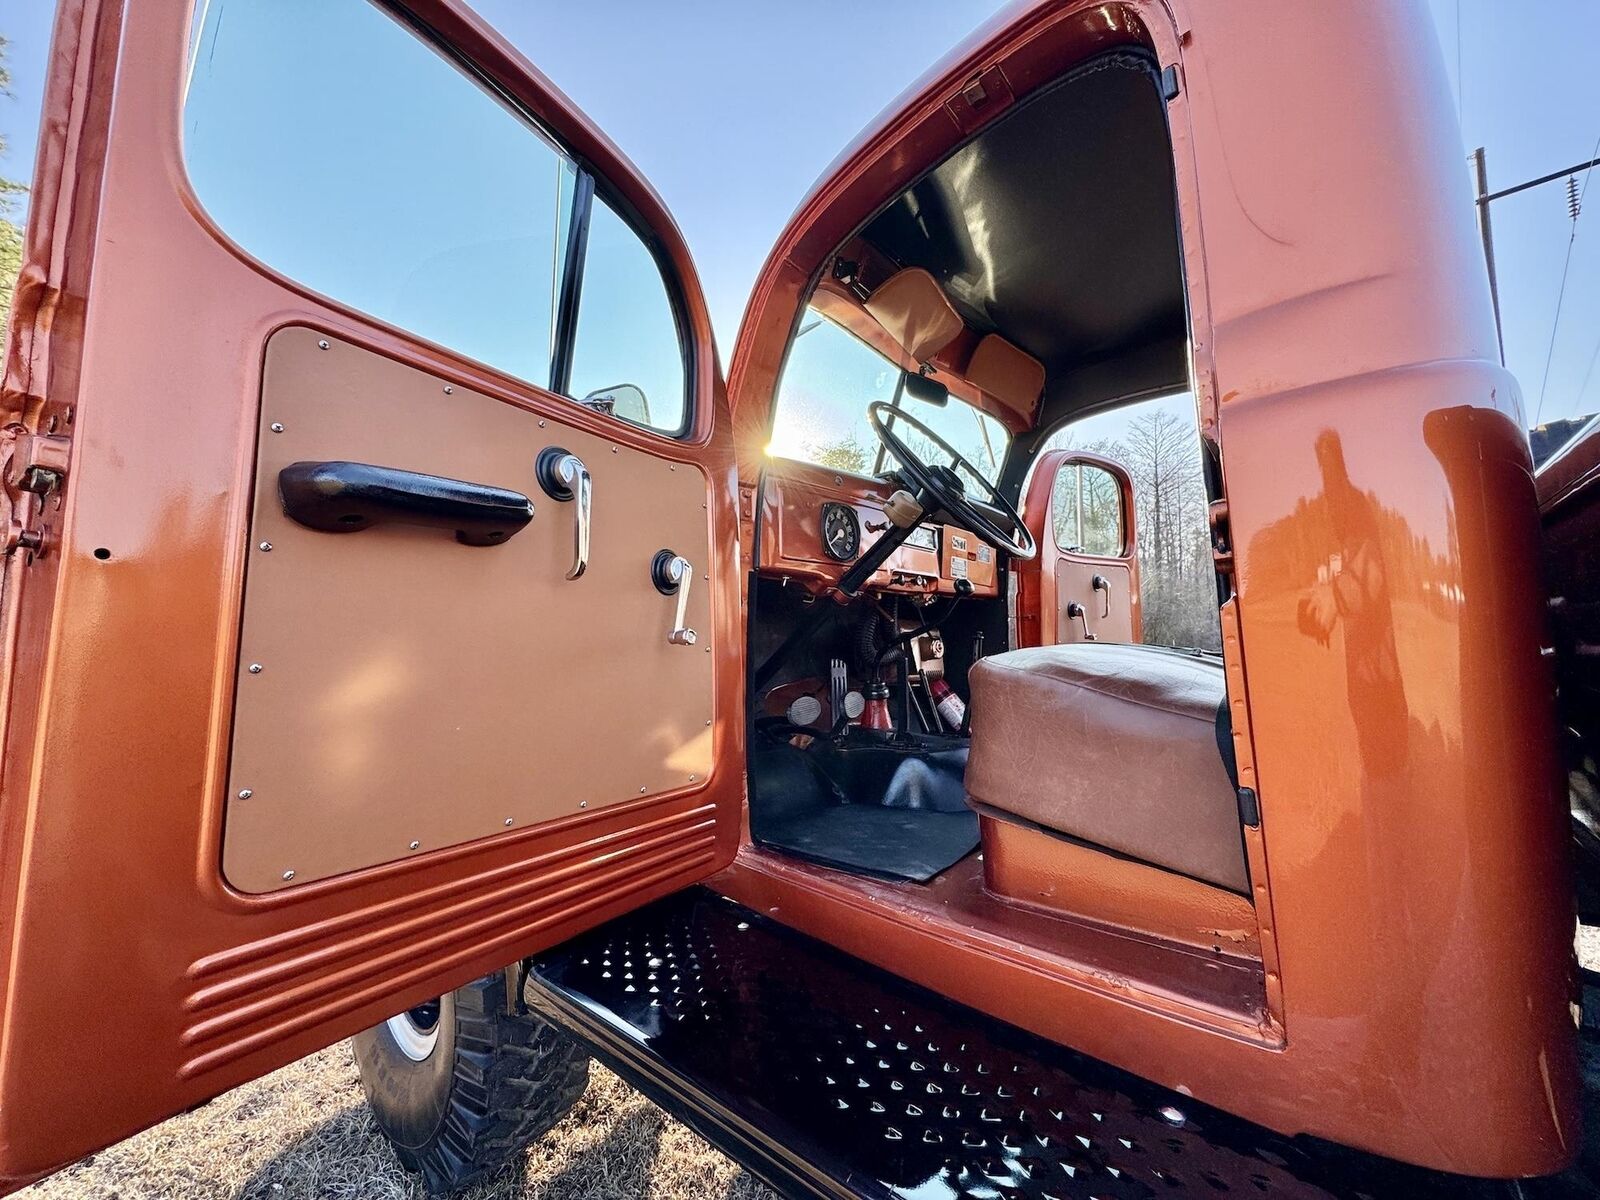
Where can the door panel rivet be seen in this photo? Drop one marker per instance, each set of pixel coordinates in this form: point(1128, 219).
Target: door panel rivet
point(255, 668)
point(322, 345)
point(448, 390)
point(708, 724)
point(694, 778)
point(641, 791)
point(277, 427)
point(265, 546)
point(508, 820)
point(583, 804)
point(245, 793)
point(416, 845)
point(288, 875)
point(541, 424)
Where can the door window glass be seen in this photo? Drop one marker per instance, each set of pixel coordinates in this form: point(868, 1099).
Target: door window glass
point(331, 142)
point(337, 147)
point(1088, 511)
point(627, 350)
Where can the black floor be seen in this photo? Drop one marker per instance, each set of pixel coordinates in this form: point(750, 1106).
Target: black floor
point(867, 808)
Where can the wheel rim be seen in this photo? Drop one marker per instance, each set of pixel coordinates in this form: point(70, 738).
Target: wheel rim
point(416, 1031)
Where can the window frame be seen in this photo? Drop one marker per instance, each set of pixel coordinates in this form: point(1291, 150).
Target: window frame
point(588, 187)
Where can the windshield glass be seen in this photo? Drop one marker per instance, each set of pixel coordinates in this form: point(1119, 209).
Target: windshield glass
point(828, 382)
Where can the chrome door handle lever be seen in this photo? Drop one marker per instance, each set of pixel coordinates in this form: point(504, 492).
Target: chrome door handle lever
point(563, 476)
point(672, 574)
point(1102, 584)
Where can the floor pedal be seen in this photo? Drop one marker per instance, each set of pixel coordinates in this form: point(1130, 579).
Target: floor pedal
point(825, 1076)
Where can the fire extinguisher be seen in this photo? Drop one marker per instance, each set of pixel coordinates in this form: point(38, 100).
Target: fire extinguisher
point(952, 710)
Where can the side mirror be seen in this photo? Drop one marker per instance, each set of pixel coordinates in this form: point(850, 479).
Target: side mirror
point(926, 389)
point(625, 400)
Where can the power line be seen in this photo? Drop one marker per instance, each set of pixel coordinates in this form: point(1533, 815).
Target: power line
point(1460, 118)
point(1566, 266)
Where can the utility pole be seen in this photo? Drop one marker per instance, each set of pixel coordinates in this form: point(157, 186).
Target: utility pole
point(1485, 231)
point(1480, 168)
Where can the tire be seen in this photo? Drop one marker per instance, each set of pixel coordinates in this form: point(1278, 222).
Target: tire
point(459, 1098)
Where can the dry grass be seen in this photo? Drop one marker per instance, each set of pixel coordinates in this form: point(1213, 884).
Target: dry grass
point(303, 1133)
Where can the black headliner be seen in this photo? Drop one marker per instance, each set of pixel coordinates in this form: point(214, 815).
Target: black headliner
point(1057, 226)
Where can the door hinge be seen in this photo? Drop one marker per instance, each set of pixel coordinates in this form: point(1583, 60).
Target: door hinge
point(1221, 537)
point(34, 469)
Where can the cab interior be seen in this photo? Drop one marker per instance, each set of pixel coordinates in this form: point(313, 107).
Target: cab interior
point(965, 734)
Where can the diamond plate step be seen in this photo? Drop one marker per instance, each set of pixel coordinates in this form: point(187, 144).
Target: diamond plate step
point(827, 1077)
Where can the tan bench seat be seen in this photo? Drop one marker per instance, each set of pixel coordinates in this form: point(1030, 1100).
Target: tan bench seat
point(1111, 745)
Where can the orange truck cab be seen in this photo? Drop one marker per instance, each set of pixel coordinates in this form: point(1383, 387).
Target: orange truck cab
point(396, 588)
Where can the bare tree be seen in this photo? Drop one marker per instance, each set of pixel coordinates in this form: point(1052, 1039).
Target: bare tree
point(1177, 580)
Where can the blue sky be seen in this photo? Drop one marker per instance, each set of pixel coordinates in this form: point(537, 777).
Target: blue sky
point(719, 103)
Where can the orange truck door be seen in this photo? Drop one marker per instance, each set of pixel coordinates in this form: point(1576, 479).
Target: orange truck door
point(371, 610)
point(1084, 583)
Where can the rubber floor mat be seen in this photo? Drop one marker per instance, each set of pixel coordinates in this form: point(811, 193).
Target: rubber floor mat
point(895, 843)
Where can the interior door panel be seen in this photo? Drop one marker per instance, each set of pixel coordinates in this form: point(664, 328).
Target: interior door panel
point(433, 693)
point(1066, 595)
point(412, 689)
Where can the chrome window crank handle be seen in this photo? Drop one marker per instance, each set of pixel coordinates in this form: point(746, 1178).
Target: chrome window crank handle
point(672, 574)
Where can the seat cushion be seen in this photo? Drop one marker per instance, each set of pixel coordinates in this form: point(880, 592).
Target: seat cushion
point(1113, 745)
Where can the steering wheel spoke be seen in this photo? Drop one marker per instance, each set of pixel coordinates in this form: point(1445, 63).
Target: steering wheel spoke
point(939, 488)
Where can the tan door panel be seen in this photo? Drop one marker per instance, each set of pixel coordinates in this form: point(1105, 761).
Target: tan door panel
point(1057, 579)
point(415, 693)
point(1108, 611)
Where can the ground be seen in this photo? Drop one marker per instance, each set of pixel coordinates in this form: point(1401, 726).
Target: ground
point(303, 1133)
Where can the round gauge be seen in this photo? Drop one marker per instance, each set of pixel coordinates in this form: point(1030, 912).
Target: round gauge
point(841, 532)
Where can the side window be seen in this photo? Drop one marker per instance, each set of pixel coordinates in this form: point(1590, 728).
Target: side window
point(627, 349)
point(332, 143)
point(1088, 511)
point(1158, 443)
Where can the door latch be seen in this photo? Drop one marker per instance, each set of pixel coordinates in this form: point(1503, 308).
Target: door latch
point(672, 573)
point(1221, 536)
point(35, 469)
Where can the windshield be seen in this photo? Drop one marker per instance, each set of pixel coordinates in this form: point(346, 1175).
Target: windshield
point(828, 382)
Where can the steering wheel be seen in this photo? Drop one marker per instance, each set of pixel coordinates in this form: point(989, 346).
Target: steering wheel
point(944, 486)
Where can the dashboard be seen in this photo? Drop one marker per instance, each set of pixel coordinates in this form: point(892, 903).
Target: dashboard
point(817, 522)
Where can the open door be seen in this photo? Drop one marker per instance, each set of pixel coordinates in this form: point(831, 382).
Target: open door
point(348, 654)
point(1084, 583)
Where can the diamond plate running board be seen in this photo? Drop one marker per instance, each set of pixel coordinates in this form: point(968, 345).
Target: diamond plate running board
point(825, 1076)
